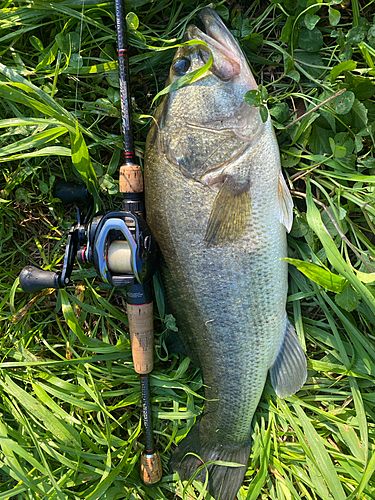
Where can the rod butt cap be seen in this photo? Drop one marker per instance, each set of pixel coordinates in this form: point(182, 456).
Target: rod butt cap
point(151, 469)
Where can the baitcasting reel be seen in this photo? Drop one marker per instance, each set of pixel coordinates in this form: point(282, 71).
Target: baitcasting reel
point(119, 245)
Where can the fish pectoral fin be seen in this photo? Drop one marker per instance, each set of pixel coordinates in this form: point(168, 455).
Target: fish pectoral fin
point(285, 204)
point(231, 212)
point(289, 371)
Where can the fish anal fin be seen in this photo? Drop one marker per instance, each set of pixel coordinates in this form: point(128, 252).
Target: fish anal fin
point(223, 482)
point(289, 371)
point(285, 204)
point(231, 212)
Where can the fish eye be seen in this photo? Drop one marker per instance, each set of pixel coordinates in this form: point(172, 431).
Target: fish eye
point(181, 66)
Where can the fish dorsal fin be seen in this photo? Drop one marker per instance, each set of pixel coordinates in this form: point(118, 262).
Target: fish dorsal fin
point(231, 212)
point(285, 204)
point(289, 372)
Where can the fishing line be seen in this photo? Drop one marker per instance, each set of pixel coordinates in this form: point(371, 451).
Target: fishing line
point(79, 58)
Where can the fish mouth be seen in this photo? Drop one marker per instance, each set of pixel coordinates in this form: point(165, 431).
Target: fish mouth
point(227, 56)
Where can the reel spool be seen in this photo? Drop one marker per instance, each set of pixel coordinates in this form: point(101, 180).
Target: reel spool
point(119, 257)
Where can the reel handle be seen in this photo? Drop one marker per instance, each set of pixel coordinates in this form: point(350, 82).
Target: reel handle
point(71, 192)
point(33, 279)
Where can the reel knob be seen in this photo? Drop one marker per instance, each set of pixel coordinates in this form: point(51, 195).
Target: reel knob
point(71, 192)
point(33, 279)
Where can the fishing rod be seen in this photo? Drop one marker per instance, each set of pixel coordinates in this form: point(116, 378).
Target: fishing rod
point(120, 246)
point(140, 303)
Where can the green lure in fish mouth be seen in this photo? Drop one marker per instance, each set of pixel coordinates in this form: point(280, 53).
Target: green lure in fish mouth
point(226, 63)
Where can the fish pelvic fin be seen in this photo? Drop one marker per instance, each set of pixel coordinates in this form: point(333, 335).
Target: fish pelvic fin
point(289, 371)
point(285, 204)
point(224, 481)
point(231, 212)
point(173, 342)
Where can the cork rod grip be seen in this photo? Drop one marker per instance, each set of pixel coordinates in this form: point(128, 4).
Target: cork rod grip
point(141, 336)
point(130, 179)
point(151, 468)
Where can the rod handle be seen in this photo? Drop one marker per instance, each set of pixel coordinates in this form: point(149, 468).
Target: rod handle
point(33, 279)
point(131, 179)
point(141, 336)
point(151, 469)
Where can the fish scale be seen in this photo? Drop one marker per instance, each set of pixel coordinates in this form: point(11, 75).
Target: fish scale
point(227, 285)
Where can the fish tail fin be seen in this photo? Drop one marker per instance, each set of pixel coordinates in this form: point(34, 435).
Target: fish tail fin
point(289, 371)
point(224, 481)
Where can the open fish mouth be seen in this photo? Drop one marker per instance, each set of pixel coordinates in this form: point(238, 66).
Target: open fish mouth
point(225, 50)
point(228, 59)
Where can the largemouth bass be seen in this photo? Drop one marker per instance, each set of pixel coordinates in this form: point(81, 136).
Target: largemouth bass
point(219, 208)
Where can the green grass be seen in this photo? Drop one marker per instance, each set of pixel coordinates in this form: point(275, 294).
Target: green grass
point(69, 399)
